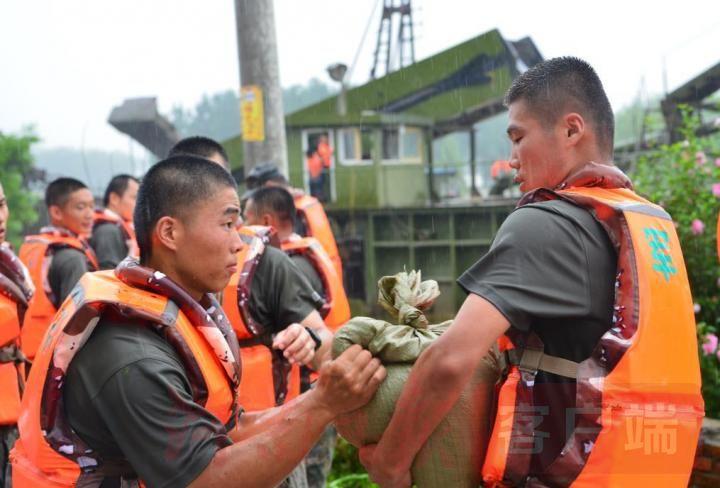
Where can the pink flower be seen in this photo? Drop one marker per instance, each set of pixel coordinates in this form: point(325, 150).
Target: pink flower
point(716, 189)
point(717, 161)
point(710, 344)
point(697, 227)
point(700, 158)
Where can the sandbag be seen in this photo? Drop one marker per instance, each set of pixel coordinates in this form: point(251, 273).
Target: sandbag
point(453, 454)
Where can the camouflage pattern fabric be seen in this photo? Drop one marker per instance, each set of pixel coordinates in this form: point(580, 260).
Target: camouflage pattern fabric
point(319, 459)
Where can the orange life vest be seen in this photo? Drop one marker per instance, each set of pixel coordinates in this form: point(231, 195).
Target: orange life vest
point(314, 165)
point(268, 378)
point(49, 452)
point(127, 228)
point(311, 213)
point(36, 253)
point(638, 396)
point(500, 168)
point(14, 295)
point(336, 311)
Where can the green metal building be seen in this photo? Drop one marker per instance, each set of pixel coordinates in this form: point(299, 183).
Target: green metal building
point(382, 180)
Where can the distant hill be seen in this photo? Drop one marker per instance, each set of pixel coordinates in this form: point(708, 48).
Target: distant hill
point(92, 166)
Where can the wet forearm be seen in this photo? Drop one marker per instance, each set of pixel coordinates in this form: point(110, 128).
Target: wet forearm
point(268, 445)
point(437, 380)
point(428, 396)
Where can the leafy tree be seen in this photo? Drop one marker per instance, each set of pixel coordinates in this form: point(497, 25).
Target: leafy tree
point(216, 116)
point(629, 120)
point(16, 166)
point(296, 97)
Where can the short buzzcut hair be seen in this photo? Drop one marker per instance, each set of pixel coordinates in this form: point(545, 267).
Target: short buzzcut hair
point(553, 87)
point(203, 147)
point(118, 185)
point(59, 190)
point(172, 188)
point(274, 200)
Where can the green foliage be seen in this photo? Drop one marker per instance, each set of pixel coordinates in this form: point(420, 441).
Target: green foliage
point(296, 97)
point(15, 164)
point(347, 472)
point(681, 178)
point(216, 116)
point(629, 120)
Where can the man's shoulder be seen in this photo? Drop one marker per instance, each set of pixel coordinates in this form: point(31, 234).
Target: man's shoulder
point(106, 228)
point(68, 257)
point(549, 214)
point(273, 259)
point(308, 270)
point(116, 343)
point(300, 260)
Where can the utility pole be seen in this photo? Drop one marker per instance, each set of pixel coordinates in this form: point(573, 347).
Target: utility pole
point(261, 107)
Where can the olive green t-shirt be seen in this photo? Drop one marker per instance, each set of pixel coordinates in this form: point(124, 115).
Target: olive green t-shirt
point(308, 271)
point(109, 244)
point(551, 270)
point(128, 395)
point(66, 268)
point(280, 293)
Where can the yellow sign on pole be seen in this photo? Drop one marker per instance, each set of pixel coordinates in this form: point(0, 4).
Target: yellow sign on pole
point(252, 114)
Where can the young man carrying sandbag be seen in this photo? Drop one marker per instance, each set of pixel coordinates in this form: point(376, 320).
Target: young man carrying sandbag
point(453, 454)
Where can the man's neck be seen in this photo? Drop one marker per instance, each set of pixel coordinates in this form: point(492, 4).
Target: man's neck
point(115, 214)
point(286, 234)
point(162, 265)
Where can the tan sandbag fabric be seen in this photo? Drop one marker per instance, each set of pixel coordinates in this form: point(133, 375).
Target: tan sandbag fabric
point(453, 454)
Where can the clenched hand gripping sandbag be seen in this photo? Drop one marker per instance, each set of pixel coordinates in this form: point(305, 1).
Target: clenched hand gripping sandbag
point(453, 454)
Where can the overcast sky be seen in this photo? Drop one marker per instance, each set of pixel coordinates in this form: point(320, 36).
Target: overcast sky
point(65, 64)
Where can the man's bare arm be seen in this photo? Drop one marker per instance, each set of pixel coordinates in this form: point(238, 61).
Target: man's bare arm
point(269, 446)
point(434, 385)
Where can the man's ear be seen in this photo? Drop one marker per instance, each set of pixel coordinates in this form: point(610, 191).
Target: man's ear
point(574, 128)
point(55, 213)
point(168, 232)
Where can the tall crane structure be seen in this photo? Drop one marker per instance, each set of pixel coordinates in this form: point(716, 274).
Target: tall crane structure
point(404, 50)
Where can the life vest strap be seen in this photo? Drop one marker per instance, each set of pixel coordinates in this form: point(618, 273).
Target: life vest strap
point(12, 354)
point(281, 367)
point(533, 360)
point(264, 339)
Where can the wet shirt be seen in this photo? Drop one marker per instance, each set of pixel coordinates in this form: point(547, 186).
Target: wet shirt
point(280, 294)
point(128, 395)
point(110, 244)
point(550, 270)
point(67, 267)
point(308, 271)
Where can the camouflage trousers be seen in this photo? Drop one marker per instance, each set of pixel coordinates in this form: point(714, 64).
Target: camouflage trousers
point(313, 470)
point(319, 460)
point(297, 478)
point(8, 436)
